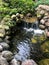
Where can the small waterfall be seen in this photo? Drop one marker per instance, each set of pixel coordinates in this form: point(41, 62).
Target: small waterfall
point(35, 25)
point(23, 45)
point(31, 25)
point(27, 25)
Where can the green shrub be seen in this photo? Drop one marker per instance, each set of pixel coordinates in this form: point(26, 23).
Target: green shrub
point(22, 6)
point(46, 2)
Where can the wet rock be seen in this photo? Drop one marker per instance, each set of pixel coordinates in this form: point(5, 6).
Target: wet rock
point(8, 55)
point(14, 62)
point(29, 62)
point(3, 61)
point(4, 45)
point(1, 48)
point(44, 62)
point(38, 38)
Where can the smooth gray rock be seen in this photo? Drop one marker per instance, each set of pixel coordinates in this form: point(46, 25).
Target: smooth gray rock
point(8, 55)
point(1, 48)
point(4, 45)
point(14, 62)
point(3, 61)
point(29, 62)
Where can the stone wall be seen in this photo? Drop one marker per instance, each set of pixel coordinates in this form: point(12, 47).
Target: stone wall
point(43, 17)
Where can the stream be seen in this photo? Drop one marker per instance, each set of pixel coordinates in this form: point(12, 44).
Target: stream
point(22, 46)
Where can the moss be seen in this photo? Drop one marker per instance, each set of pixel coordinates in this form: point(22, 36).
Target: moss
point(33, 41)
point(44, 62)
point(42, 37)
point(45, 46)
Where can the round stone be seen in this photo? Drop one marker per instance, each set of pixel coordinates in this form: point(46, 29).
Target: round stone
point(42, 26)
point(42, 12)
point(13, 16)
point(29, 62)
point(14, 62)
point(42, 21)
point(8, 55)
point(4, 45)
point(3, 61)
point(47, 24)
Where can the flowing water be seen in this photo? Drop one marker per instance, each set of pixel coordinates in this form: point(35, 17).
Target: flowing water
point(23, 47)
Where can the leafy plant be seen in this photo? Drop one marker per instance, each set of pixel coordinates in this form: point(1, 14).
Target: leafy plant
point(46, 2)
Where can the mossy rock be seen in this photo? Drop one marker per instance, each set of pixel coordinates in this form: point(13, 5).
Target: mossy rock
point(38, 38)
point(33, 40)
point(44, 62)
point(45, 46)
point(1, 35)
point(42, 37)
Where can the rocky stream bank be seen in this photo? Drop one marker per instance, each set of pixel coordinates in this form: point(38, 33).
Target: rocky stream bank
point(26, 43)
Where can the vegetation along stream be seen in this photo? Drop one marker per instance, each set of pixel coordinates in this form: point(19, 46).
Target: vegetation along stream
point(24, 32)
